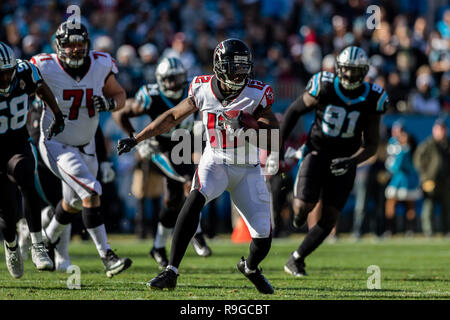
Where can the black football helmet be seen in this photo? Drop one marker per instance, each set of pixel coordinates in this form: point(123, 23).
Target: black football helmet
point(8, 66)
point(232, 63)
point(66, 39)
point(352, 65)
point(171, 77)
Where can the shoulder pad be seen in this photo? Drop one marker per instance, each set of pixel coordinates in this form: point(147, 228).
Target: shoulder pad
point(106, 60)
point(153, 89)
point(143, 97)
point(319, 82)
point(380, 97)
point(29, 71)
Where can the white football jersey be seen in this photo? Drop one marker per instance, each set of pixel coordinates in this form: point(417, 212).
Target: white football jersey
point(74, 97)
point(220, 142)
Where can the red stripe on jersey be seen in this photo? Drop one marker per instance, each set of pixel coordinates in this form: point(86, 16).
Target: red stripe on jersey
point(211, 126)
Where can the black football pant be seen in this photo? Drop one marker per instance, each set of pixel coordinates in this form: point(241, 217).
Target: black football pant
point(17, 171)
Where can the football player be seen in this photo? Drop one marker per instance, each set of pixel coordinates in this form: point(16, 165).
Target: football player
point(230, 89)
point(49, 188)
point(345, 133)
point(18, 80)
point(153, 100)
point(84, 84)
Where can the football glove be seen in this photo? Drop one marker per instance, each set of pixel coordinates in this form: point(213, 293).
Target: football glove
point(272, 164)
point(107, 172)
point(147, 148)
point(57, 125)
point(125, 145)
point(340, 166)
point(101, 103)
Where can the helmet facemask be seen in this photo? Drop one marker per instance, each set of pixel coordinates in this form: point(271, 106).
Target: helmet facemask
point(233, 74)
point(6, 79)
point(74, 51)
point(72, 44)
point(350, 76)
point(8, 66)
point(352, 65)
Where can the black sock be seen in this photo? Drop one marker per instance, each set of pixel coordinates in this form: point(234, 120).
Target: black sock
point(186, 226)
point(61, 215)
point(168, 216)
point(259, 248)
point(313, 239)
point(390, 224)
point(92, 217)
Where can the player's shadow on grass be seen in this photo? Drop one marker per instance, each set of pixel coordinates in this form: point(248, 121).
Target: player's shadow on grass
point(339, 289)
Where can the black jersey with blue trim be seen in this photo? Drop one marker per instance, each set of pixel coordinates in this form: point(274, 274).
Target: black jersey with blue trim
point(14, 106)
point(340, 118)
point(156, 103)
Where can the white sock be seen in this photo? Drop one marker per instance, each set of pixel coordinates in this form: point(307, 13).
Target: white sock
point(12, 244)
point(54, 230)
point(62, 248)
point(199, 228)
point(45, 219)
point(296, 255)
point(98, 235)
point(162, 236)
point(171, 267)
point(36, 237)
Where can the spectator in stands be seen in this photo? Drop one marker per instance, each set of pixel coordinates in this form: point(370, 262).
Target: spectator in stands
point(444, 92)
point(424, 100)
point(104, 44)
point(443, 25)
point(130, 76)
point(149, 57)
point(439, 55)
point(181, 49)
point(403, 186)
point(432, 159)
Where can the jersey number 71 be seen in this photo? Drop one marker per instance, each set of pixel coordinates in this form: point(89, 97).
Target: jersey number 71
point(76, 95)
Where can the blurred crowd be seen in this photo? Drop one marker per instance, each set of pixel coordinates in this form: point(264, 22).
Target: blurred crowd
point(291, 40)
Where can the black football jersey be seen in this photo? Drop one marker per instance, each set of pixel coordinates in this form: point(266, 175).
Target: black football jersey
point(14, 107)
point(340, 119)
point(156, 103)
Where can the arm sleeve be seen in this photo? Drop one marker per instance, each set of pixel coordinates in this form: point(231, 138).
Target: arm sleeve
point(293, 113)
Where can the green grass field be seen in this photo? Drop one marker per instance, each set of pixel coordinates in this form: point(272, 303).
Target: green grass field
point(414, 268)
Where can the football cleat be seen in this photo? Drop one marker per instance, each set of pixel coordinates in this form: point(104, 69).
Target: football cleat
point(14, 261)
point(295, 267)
point(41, 258)
point(166, 279)
point(115, 265)
point(257, 278)
point(160, 257)
point(50, 247)
point(200, 246)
